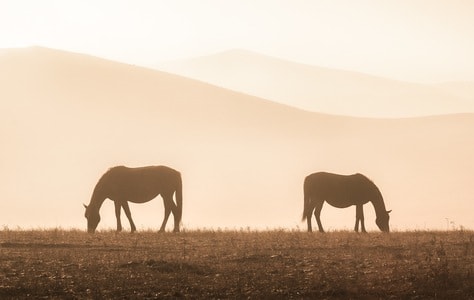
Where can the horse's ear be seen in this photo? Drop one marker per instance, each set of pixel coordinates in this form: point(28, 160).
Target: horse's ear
point(85, 206)
point(389, 211)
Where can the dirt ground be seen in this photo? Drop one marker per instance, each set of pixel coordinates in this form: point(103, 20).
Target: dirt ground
point(236, 264)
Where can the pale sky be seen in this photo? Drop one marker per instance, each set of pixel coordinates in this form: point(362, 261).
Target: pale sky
point(416, 40)
point(422, 41)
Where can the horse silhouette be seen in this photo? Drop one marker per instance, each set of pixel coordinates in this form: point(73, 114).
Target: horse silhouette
point(342, 191)
point(138, 185)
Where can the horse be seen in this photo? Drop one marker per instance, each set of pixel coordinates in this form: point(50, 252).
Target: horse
point(342, 191)
point(138, 185)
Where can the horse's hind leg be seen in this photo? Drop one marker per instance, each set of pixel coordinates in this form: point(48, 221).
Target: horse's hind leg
point(168, 209)
point(118, 207)
point(126, 208)
point(317, 213)
point(359, 218)
point(168, 199)
point(308, 220)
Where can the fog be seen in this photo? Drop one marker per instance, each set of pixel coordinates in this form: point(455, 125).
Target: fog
point(66, 118)
point(325, 90)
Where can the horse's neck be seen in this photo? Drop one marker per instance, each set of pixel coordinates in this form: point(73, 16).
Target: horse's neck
point(96, 202)
point(379, 205)
point(98, 198)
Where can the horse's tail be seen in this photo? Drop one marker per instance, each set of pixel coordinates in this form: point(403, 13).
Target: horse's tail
point(179, 197)
point(307, 201)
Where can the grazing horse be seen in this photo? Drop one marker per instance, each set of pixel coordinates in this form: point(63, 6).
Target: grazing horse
point(342, 191)
point(137, 185)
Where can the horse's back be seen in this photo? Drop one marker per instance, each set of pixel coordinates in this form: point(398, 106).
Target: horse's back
point(324, 178)
point(324, 184)
point(155, 172)
point(140, 183)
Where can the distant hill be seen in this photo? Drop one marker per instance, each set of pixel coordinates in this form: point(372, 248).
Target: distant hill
point(461, 89)
point(65, 118)
point(320, 89)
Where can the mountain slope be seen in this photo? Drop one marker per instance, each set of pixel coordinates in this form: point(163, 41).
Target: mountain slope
point(65, 118)
point(319, 89)
point(462, 89)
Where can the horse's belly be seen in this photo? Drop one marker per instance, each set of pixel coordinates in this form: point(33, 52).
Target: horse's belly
point(143, 197)
point(339, 204)
point(345, 202)
point(133, 195)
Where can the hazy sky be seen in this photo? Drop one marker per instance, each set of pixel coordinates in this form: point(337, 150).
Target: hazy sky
point(415, 40)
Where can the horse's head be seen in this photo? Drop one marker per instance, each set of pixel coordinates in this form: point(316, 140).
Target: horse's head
point(93, 219)
point(382, 222)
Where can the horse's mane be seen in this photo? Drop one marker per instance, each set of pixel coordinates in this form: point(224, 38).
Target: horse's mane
point(369, 179)
point(116, 167)
point(104, 176)
point(362, 175)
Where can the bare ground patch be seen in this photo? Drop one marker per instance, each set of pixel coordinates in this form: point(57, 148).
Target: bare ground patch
point(208, 264)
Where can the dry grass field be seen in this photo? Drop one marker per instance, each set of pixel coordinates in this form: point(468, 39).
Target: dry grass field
point(209, 264)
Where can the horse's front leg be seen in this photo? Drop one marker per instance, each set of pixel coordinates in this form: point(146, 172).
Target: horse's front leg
point(118, 207)
point(360, 218)
point(126, 208)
